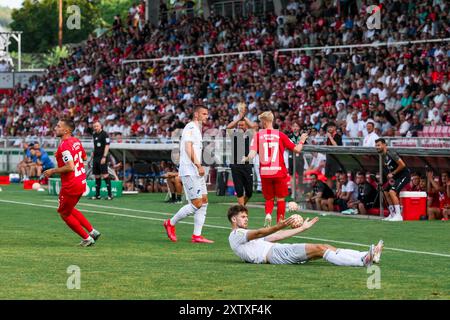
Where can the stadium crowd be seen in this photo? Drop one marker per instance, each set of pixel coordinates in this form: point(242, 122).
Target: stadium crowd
point(399, 88)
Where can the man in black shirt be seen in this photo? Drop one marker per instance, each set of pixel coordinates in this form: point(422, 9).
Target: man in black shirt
point(366, 194)
point(100, 155)
point(295, 136)
point(398, 177)
point(322, 196)
point(242, 173)
point(333, 139)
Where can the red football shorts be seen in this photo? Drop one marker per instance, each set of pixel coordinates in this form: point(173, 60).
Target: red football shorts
point(67, 202)
point(274, 187)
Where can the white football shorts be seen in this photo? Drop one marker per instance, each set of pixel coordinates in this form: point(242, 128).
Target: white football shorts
point(194, 187)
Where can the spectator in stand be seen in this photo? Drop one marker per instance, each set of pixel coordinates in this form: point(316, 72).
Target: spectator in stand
point(405, 124)
point(352, 128)
point(4, 66)
point(415, 127)
point(434, 116)
point(369, 139)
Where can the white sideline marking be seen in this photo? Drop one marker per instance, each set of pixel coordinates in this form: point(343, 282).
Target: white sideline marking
point(109, 207)
point(214, 226)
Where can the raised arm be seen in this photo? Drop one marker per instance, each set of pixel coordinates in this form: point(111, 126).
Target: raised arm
point(284, 234)
point(298, 148)
point(264, 232)
point(233, 124)
point(251, 124)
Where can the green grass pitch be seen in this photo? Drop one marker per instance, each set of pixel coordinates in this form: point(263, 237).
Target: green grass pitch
point(135, 260)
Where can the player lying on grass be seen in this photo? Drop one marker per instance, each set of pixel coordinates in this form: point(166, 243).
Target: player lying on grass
point(70, 156)
point(258, 246)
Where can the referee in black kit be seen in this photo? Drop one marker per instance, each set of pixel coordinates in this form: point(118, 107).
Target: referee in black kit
point(241, 133)
point(100, 164)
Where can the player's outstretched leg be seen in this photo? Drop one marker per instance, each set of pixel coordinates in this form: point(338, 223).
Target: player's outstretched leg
point(341, 257)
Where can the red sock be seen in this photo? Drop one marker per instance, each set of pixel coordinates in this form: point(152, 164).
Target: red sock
point(269, 206)
point(75, 225)
point(281, 209)
point(83, 221)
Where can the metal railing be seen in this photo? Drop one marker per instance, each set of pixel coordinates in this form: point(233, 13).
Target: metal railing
point(242, 8)
point(360, 46)
point(206, 56)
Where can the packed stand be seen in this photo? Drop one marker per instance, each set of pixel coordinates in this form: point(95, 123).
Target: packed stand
point(399, 90)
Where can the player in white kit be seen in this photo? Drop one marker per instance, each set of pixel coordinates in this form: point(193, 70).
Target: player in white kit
point(192, 174)
point(257, 246)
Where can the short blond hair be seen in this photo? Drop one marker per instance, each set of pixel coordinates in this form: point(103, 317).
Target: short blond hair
point(266, 116)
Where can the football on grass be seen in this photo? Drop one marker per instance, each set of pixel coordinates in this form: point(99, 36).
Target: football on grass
point(298, 221)
point(36, 186)
point(292, 206)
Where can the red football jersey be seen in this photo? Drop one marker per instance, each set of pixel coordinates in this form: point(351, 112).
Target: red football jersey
point(73, 182)
point(444, 200)
point(270, 145)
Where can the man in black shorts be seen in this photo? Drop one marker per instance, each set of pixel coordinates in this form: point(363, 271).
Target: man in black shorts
point(100, 164)
point(398, 177)
point(322, 196)
point(242, 173)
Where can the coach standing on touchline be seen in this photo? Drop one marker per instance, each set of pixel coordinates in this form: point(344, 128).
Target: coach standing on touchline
point(398, 177)
point(100, 165)
point(240, 132)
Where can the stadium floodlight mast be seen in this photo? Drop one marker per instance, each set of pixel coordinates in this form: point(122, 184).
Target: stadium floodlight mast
point(5, 37)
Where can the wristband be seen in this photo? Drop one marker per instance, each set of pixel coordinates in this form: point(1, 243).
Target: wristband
point(301, 142)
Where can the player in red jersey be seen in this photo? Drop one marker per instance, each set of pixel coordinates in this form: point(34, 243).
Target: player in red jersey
point(70, 156)
point(270, 144)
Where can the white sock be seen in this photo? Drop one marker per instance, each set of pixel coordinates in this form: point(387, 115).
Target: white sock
point(398, 211)
point(391, 210)
point(187, 210)
point(342, 258)
point(199, 219)
point(354, 253)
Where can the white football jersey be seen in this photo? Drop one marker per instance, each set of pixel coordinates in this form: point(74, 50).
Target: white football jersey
point(191, 133)
point(254, 251)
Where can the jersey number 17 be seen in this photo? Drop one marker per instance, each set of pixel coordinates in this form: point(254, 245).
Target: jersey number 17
point(273, 146)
